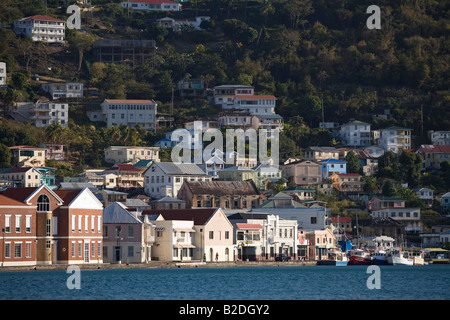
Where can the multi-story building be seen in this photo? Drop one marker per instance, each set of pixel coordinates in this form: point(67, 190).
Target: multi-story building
point(43, 227)
point(127, 51)
point(355, 133)
point(378, 203)
point(395, 139)
point(27, 156)
point(165, 178)
point(41, 28)
point(347, 182)
point(303, 172)
point(128, 112)
point(440, 137)
point(284, 206)
point(426, 195)
point(224, 94)
point(190, 88)
point(212, 236)
point(126, 238)
point(152, 5)
point(320, 242)
point(321, 153)
point(58, 90)
point(21, 177)
point(408, 217)
point(130, 154)
point(330, 166)
point(2, 74)
point(264, 236)
point(434, 155)
point(54, 151)
point(42, 114)
point(128, 176)
point(220, 194)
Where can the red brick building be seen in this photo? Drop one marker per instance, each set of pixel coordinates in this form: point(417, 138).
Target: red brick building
point(40, 226)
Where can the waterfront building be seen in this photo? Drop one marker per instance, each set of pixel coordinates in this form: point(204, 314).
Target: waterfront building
point(212, 235)
point(320, 241)
point(264, 236)
point(43, 227)
point(126, 238)
point(41, 28)
point(220, 194)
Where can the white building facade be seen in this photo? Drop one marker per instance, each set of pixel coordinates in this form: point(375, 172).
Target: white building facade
point(128, 112)
point(152, 5)
point(395, 139)
point(355, 134)
point(41, 28)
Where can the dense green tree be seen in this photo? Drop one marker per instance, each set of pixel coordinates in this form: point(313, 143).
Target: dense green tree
point(353, 165)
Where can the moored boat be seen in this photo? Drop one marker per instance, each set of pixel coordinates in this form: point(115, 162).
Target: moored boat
point(379, 257)
point(409, 258)
point(334, 258)
point(359, 256)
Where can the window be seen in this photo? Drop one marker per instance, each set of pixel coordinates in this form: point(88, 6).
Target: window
point(73, 249)
point(43, 203)
point(7, 223)
point(130, 232)
point(227, 234)
point(18, 223)
point(130, 253)
point(28, 250)
point(7, 250)
point(17, 250)
point(313, 220)
point(211, 234)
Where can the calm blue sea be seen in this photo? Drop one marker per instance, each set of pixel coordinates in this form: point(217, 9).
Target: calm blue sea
point(236, 283)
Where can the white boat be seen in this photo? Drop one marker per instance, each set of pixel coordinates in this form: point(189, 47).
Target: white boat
point(401, 257)
point(380, 257)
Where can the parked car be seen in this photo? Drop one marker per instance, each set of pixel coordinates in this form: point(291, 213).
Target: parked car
point(282, 258)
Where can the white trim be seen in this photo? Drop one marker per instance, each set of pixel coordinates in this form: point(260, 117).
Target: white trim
point(35, 192)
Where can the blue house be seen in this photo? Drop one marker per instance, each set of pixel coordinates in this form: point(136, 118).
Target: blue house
point(48, 176)
point(330, 166)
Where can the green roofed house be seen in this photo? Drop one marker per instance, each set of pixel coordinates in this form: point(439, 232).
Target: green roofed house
point(283, 205)
point(301, 193)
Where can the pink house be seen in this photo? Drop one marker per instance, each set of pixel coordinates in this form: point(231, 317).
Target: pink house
point(378, 203)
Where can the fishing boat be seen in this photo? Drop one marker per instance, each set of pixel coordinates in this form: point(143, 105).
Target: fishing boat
point(436, 255)
point(334, 258)
point(409, 258)
point(359, 256)
point(380, 257)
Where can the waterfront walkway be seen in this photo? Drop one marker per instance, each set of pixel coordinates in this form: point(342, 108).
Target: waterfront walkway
point(165, 264)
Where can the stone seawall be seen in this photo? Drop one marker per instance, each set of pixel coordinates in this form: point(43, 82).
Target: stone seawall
point(165, 264)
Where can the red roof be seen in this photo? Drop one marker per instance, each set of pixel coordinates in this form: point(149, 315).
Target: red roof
point(128, 101)
point(248, 226)
point(6, 201)
point(199, 216)
point(341, 219)
point(43, 18)
point(19, 194)
point(154, 1)
point(435, 148)
point(67, 195)
point(26, 147)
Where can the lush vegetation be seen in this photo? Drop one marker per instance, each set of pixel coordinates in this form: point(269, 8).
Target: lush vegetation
point(317, 57)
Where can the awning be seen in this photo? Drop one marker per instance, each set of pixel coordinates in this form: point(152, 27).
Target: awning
point(435, 250)
point(184, 229)
point(184, 246)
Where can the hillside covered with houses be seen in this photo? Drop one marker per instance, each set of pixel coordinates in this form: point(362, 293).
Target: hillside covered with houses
point(91, 118)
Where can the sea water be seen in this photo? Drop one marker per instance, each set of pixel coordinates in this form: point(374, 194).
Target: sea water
point(234, 283)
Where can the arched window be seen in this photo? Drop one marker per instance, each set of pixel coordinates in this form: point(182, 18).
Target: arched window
point(43, 203)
